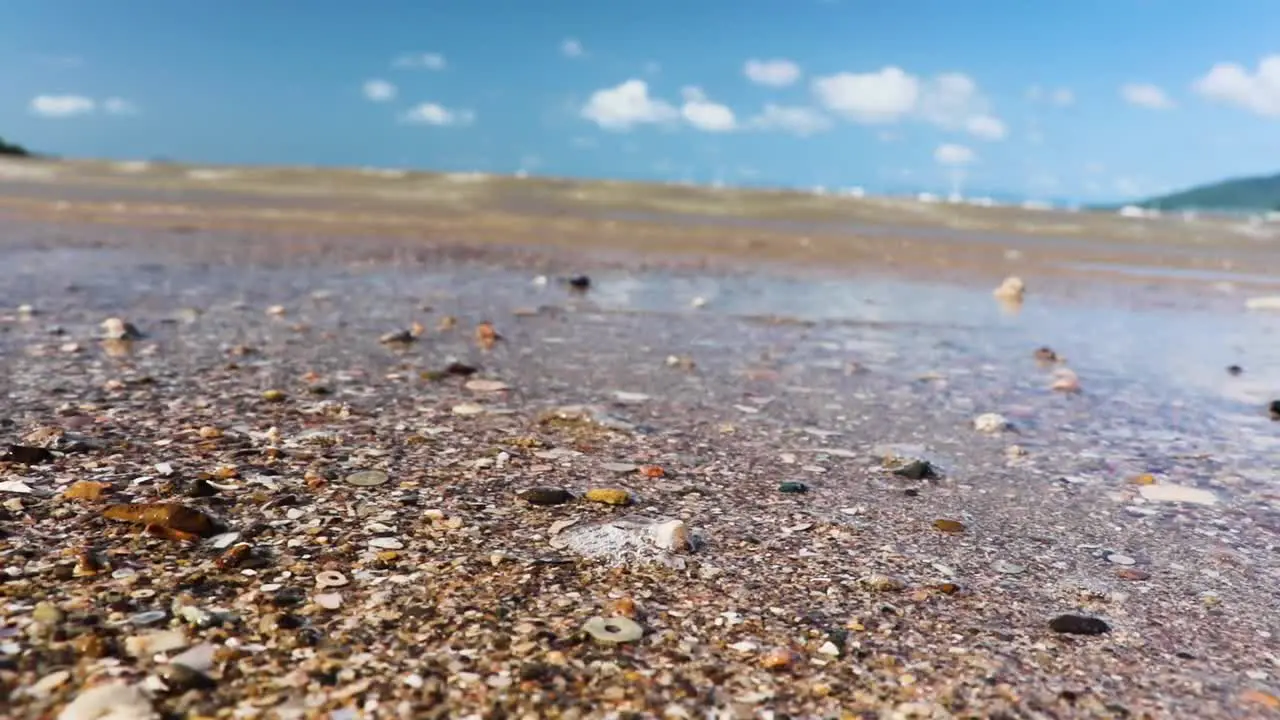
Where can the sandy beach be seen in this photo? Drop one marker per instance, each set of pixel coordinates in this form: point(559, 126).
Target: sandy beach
point(372, 456)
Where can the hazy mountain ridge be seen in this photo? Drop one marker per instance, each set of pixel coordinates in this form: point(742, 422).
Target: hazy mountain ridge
point(1258, 194)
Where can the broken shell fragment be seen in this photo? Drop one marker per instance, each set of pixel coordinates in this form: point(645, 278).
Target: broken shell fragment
point(613, 630)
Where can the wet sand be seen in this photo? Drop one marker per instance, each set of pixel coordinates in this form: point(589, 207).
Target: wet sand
point(458, 598)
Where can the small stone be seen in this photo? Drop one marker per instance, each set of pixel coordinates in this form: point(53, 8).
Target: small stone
point(27, 455)
point(882, 583)
point(949, 526)
point(1013, 288)
point(991, 423)
point(330, 578)
point(1120, 559)
point(85, 490)
point(1258, 697)
point(367, 478)
point(329, 601)
point(47, 614)
point(1234, 370)
point(620, 468)
point(1078, 625)
point(744, 646)
point(149, 617)
point(545, 495)
point(397, 337)
point(793, 487)
point(672, 535)
point(829, 648)
point(208, 432)
point(624, 607)
point(45, 686)
point(386, 543)
point(466, 409)
point(110, 701)
point(276, 310)
point(1065, 380)
point(608, 496)
point(613, 630)
point(117, 329)
point(917, 470)
point(484, 386)
point(777, 659)
point(1132, 574)
point(198, 657)
point(273, 395)
point(180, 678)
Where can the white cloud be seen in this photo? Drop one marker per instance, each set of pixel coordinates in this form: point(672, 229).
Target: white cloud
point(951, 101)
point(626, 105)
point(425, 61)
point(1233, 84)
point(986, 127)
point(119, 106)
point(1060, 97)
point(800, 121)
point(437, 115)
point(704, 114)
point(62, 106)
point(572, 48)
point(379, 90)
point(954, 155)
point(773, 73)
point(1145, 95)
point(884, 96)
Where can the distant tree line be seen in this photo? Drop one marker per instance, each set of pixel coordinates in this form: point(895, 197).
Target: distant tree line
point(8, 148)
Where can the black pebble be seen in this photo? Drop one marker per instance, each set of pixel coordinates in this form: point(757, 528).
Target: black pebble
point(1079, 625)
point(1234, 370)
point(1274, 407)
point(793, 487)
point(579, 282)
point(26, 455)
point(917, 470)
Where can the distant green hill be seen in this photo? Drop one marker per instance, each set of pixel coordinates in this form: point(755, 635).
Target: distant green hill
point(1241, 194)
point(8, 148)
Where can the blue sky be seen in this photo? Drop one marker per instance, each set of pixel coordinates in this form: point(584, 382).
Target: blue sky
point(1090, 99)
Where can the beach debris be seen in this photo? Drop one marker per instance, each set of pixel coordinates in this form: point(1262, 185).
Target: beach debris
point(1134, 574)
point(402, 337)
point(608, 496)
point(1070, 624)
point(1045, 355)
point(545, 495)
point(793, 487)
point(1177, 493)
point(330, 579)
point(991, 423)
point(116, 329)
point(274, 396)
point(1273, 409)
point(1234, 370)
point(581, 283)
point(881, 582)
point(1120, 559)
point(172, 520)
point(698, 302)
point(367, 478)
point(85, 490)
point(613, 630)
point(1013, 288)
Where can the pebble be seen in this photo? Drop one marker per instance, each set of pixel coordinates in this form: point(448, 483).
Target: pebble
point(949, 526)
point(1132, 574)
point(991, 423)
point(544, 495)
point(882, 583)
point(613, 630)
point(386, 543)
point(777, 659)
point(199, 657)
point(329, 601)
point(466, 409)
point(486, 385)
point(1078, 625)
point(367, 478)
point(608, 496)
point(620, 468)
point(149, 617)
point(45, 686)
point(793, 487)
point(1120, 559)
point(110, 701)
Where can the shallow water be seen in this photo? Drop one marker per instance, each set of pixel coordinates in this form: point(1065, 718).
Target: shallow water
point(1153, 373)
